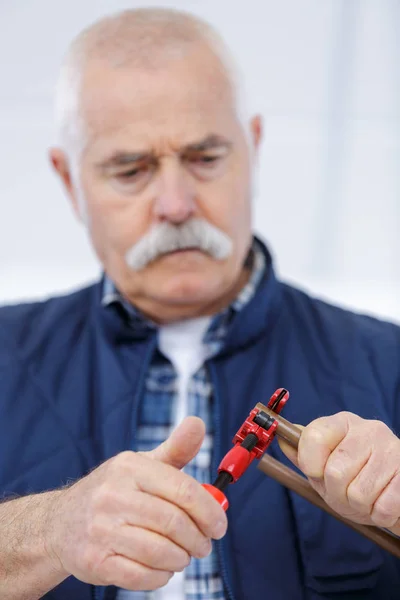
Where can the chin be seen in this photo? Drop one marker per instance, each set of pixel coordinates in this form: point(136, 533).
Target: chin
point(189, 288)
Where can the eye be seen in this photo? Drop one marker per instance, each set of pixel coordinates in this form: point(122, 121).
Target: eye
point(130, 174)
point(206, 159)
point(134, 179)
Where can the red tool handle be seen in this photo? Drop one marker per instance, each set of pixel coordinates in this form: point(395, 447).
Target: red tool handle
point(218, 495)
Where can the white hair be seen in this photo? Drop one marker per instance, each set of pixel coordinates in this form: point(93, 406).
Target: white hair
point(145, 38)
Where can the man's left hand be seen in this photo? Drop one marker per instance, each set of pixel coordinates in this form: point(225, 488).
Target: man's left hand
point(354, 464)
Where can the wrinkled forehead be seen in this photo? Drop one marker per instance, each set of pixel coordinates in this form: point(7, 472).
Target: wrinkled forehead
point(174, 104)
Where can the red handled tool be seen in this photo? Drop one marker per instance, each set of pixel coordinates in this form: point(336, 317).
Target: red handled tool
point(250, 442)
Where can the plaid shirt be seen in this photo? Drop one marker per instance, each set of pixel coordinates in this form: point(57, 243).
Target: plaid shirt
point(202, 578)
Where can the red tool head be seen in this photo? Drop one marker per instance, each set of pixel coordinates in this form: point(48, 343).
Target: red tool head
point(250, 442)
point(278, 400)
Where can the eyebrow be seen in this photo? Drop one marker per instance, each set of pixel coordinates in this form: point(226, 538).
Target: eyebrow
point(119, 158)
point(210, 142)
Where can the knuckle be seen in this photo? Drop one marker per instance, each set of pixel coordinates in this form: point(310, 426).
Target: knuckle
point(186, 492)
point(313, 435)
point(348, 417)
point(122, 462)
point(356, 497)
point(346, 414)
point(104, 495)
point(314, 428)
point(96, 531)
point(174, 524)
point(379, 427)
point(335, 471)
point(383, 517)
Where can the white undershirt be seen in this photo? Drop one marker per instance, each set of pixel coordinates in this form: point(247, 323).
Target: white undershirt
point(182, 344)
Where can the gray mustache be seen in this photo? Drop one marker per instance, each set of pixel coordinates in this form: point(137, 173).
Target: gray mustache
point(165, 237)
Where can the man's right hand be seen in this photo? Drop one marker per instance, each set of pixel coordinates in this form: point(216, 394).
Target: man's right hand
point(137, 519)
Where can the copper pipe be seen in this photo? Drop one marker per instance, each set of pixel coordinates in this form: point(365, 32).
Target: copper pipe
point(295, 482)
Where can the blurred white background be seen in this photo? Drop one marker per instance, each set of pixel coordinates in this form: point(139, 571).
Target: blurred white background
point(326, 76)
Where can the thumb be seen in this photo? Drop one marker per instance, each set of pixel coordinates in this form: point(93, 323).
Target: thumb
point(182, 445)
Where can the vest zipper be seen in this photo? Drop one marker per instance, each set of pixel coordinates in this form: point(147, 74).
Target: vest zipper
point(223, 565)
point(95, 593)
point(95, 589)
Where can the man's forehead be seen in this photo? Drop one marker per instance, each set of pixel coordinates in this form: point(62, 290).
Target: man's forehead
point(175, 130)
point(179, 97)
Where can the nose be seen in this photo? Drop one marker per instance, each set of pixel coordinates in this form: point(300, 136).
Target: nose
point(175, 196)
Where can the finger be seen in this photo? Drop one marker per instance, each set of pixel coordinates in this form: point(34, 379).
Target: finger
point(185, 492)
point(127, 574)
point(150, 549)
point(366, 487)
point(167, 519)
point(182, 445)
point(319, 439)
point(343, 466)
point(359, 468)
point(386, 509)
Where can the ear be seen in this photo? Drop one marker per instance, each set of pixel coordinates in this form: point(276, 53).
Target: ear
point(61, 165)
point(256, 129)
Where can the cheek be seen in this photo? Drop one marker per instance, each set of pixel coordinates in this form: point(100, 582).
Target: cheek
point(233, 205)
point(238, 216)
point(116, 222)
point(242, 213)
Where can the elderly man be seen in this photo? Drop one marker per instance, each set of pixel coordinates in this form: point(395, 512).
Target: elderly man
point(99, 468)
